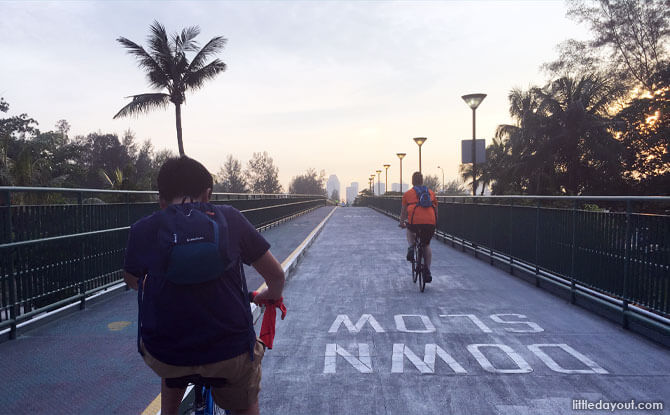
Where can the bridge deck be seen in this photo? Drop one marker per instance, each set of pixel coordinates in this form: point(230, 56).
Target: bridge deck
point(358, 337)
point(356, 267)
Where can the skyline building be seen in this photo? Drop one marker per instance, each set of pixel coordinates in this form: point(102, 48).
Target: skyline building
point(333, 183)
point(352, 192)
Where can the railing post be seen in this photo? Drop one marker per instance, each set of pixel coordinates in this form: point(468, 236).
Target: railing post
point(537, 243)
point(511, 236)
point(82, 276)
point(626, 266)
point(573, 289)
point(13, 306)
point(490, 235)
point(9, 237)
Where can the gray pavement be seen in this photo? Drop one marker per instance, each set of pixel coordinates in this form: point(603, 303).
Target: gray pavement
point(360, 338)
point(87, 362)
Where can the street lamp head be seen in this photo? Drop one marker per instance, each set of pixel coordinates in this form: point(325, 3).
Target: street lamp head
point(401, 155)
point(420, 140)
point(386, 166)
point(473, 100)
point(378, 171)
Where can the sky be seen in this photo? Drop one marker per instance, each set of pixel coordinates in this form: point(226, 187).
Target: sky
point(329, 85)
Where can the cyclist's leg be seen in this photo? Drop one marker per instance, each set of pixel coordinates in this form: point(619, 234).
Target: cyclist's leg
point(170, 399)
point(411, 240)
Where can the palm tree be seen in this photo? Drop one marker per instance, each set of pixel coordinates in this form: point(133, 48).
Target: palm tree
point(168, 68)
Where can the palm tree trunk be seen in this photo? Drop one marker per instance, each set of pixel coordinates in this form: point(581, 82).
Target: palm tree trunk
point(180, 143)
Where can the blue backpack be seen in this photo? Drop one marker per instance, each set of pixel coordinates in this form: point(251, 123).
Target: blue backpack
point(423, 195)
point(194, 238)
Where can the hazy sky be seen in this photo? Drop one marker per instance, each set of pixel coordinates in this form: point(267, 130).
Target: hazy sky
point(339, 86)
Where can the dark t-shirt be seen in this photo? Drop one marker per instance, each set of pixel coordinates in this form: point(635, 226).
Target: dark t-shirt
point(189, 325)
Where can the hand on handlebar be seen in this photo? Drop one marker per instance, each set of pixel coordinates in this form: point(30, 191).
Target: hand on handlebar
point(402, 224)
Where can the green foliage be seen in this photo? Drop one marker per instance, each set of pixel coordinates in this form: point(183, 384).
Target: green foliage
point(262, 175)
point(309, 184)
point(168, 68)
point(432, 182)
point(230, 178)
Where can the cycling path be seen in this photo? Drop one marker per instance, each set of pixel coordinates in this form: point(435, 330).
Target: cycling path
point(87, 362)
point(361, 339)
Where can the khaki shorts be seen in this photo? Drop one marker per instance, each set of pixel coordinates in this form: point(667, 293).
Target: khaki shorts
point(243, 377)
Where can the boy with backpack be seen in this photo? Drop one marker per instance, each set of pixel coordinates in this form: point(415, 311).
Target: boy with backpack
point(419, 205)
point(195, 323)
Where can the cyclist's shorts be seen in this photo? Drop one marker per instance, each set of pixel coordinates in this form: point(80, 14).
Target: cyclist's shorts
point(240, 377)
point(424, 231)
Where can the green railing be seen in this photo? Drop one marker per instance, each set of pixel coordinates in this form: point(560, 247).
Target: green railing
point(615, 246)
point(59, 246)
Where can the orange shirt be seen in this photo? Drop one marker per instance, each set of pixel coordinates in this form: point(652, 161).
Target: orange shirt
point(423, 215)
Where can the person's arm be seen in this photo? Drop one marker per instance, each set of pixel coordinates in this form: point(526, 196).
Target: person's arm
point(131, 280)
point(403, 214)
point(403, 211)
point(273, 274)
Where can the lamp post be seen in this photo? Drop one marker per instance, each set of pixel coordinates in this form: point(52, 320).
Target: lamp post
point(372, 184)
point(473, 101)
point(379, 181)
point(442, 177)
point(420, 141)
point(386, 184)
point(401, 156)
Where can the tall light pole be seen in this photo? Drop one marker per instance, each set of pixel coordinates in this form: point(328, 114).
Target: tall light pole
point(420, 141)
point(372, 184)
point(386, 184)
point(442, 177)
point(401, 156)
point(379, 181)
point(473, 101)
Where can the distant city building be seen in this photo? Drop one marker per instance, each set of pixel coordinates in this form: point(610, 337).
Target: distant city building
point(352, 192)
point(333, 183)
point(396, 187)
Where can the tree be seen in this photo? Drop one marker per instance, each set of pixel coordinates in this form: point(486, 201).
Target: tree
point(167, 67)
point(262, 175)
point(63, 127)
point(644, 131)
point(629, 40)
point(454, 188)
point(309, 183)
point(432, 182)
point(230, 178)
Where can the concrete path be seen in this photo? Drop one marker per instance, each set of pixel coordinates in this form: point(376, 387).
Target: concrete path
point(361, 339)
point(87, 362)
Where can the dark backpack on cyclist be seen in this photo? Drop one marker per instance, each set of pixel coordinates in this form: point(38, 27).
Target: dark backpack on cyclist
point(423, 195)
point(193, 238)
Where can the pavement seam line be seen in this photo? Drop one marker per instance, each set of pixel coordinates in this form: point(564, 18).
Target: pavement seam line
point(293, 257)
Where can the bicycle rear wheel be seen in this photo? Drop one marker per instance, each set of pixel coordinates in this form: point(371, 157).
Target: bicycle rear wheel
point(414, 267)
point(420, 269)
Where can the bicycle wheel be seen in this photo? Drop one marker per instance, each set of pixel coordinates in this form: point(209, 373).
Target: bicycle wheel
point(211, 408)
point(420, 269)
point(414, 268)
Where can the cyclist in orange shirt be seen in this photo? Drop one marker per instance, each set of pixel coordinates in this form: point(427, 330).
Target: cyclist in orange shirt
point(419, 205)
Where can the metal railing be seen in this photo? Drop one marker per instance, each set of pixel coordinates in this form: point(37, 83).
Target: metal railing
point(64, 251)
point(616, 246)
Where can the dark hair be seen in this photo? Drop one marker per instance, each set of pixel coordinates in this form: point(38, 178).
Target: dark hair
point(181, 177)
point(417, 179)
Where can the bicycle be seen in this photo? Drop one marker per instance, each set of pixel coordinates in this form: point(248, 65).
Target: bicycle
point(418, 261)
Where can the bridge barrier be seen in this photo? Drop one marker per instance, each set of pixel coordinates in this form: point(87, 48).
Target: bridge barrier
point(615, 249)
point(60, 246)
